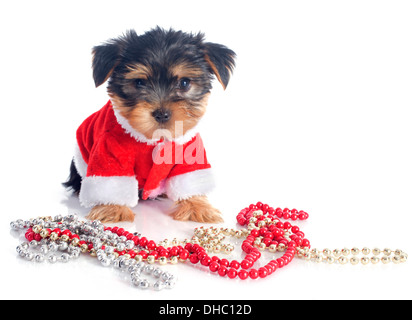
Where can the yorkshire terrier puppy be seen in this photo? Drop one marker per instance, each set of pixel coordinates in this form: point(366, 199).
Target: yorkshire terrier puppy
point(144, 141)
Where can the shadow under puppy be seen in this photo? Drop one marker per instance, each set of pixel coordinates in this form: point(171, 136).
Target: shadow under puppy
point(145, 140)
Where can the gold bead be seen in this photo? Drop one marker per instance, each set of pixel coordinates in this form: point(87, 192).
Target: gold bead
point(272, 248)
point(375, 260)
point(37, 228)
point(376, 251)
point(345, 252)
point(355, 251)
point(398, 252)
point(217, 248)
point(343, 260)
point(75, 242)
point(318, 258)
point(337, 252)
point(93, 252)
point(385, 259)
point(138, 258)
point(84, 247)
point(258, 213)
point(403, 257)
point(64, 238)
point(366, 251)
point(327, 252)
point(364, 260)
point(262, 246)
point(314, 251)
point(44, 233)
point(354, 260)
point(150, 259)
point(330, 259)
point(396, 259)
point(387, 251)
point(54, 236)
point(162, 260)
point(281, 247)
point(174, 260)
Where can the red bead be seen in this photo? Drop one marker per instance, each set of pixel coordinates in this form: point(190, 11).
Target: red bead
point(245, 264)
point(255, 232)
point(144, 254)
point(135, 239)
point(214, 266)
point(188, 246)
point(37, 237)
point(222, 271)
point(262, 272)
point(234, 264)
point(206, 261)
point(30, 236)
point(243, 274)
point(224, 263)
point(174, 251)
point(305, 243)
point(232, 273)
point(184, 255)
point(58, 231)
point(253, 274)
point(120, 232)
point(263, 230)
point(143, 241)
point(194, 258)
point(151, 245)
point(295, 229)
point(67, 233)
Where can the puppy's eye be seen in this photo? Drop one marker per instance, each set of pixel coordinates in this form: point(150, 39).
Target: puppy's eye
point(184, 84)
point(140, 83)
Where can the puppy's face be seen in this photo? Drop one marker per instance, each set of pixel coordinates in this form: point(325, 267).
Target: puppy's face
point(161, 78)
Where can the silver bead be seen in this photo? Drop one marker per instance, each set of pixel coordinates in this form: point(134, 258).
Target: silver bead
point(29, 256)
point(157, 272)
point(143, 284)
point(63, 246)
point(170, 283)
point(148, 269)
point(159, 285)
point(64, 257)
point(52, 246)
point(52, 258)
point(39, 257)
point(121, 246)
point(44, 249)
point(105, 262)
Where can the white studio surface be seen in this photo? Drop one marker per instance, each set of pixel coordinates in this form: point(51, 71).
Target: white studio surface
point(316, 117)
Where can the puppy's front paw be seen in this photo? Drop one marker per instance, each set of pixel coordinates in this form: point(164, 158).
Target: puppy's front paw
point(111, 213)
point(196, 209)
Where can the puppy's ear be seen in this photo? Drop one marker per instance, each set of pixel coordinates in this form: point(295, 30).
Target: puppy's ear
point(105, 59)
point(221, 61)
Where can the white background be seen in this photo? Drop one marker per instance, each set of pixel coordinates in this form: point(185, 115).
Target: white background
point(317, 117)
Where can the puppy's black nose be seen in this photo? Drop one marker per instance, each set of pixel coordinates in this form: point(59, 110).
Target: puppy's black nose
point(162, 115)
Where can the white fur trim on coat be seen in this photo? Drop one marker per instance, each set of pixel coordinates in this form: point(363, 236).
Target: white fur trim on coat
point(195, 183)
point(79, 162)
point(109, 190)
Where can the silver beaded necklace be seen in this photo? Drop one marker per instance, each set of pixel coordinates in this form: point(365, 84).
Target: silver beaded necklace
point(57, 250)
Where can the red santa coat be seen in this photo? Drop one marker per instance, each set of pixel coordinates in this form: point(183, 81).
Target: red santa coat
point(115, 161)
